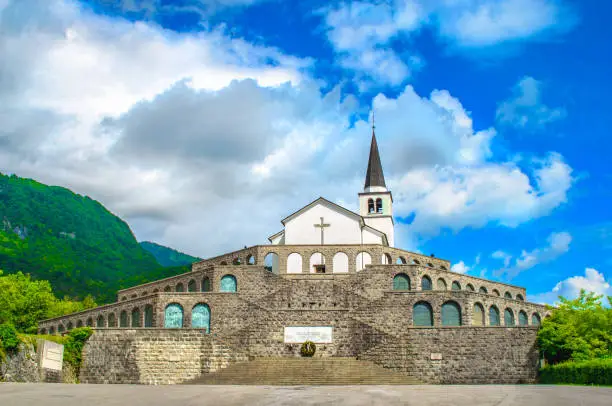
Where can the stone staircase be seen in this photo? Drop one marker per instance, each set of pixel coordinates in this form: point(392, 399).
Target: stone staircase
point(305, 371)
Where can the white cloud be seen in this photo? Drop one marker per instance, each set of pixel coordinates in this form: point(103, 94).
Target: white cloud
point(557, 244)
point(592, 281)
point(460, 267)
point(526, 109)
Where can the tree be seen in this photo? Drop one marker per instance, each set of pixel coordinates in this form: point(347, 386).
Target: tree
point(577, 329)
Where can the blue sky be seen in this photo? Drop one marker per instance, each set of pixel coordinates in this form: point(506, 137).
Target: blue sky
point(204, 122)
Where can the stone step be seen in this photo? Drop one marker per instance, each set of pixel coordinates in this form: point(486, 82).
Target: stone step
point(305, 371)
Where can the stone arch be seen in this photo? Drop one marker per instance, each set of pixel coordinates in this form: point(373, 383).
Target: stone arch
point(60, 328)
point(316, 260)
point(168, 288)
point(429, 264)
point(123, 298)
point(483, 290)
point(89, 322)
point(442, 267)
point(223, 263)
point(400, 261)
point(401, 281)
point(478, 316)
point(371, 208)
point(179, 287)
point(144, 293)
point(426, 283)
point(123, 319)
point(509, 317)
point(156, 290)
point(206, 284)
point(362, 259)
point(52, 330)
point(340, 263)
point(148, 316)
point(441, 284)
point(271, 262)
point(250, 259)
point(173, 316)
point(451, 314)
point(379, 205)
point(135, 317)
point(200, 316)
point(386, 259)
point(455, 285)
point(236, 261)
point(112, 322)
point(520, 297)
point(494, 316)
point(422, 314)
point(43, 331)
point(496, 292)
point(294, 263)
point(508, 295)
point(470, 287)
point(100, 321)
point(192, 286)
point(536, 320)
point(523, 321)
point(228, 284)
point(416, 261)
point(70, 326)
point(134, 296)
point(79, 323)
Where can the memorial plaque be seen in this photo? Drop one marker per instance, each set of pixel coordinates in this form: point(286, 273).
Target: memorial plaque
point(318, 334)
point(52, 355)
point(436, 356)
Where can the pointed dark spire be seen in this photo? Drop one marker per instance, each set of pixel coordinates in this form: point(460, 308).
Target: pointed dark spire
point(374, 175)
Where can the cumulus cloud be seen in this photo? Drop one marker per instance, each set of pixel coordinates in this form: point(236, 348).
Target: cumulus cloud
point(460, 267)
point(592, 281)
point(525, 108)
point(557, 245)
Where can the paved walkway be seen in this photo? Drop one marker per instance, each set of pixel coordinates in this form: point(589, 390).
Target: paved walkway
point(135, 395)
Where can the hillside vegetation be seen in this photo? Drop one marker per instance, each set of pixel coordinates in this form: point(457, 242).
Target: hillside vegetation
point(70, 240)
point(167, 256)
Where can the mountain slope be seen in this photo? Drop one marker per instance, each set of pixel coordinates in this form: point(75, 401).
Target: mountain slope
point(70, 240)
point(166, 256)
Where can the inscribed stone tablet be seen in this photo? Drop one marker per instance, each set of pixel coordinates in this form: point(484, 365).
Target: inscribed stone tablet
point(436, 356)
point(318, 335)
point(52, 355)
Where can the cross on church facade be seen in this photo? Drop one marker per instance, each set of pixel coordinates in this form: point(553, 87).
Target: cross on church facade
point(322, 226)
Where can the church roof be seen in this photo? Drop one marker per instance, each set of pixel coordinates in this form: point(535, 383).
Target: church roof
point(374, 175)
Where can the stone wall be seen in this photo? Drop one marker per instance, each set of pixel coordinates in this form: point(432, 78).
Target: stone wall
point(24, 366)
point(153, 356)
point(460, 355)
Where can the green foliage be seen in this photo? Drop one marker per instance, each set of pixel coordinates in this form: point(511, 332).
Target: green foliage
point(24, 302)
point(579, 329)
point(591, 372)
point(70, 240)
point(308, 349)
point(9, 341)
point(167, 256)
point(73, 347)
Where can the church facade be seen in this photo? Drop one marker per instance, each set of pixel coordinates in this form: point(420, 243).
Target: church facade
point(332, 276)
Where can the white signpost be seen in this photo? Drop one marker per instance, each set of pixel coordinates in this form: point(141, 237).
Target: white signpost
point(318, 335)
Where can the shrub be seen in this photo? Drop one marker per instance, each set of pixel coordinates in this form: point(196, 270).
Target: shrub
point(73, 348)
point(9, 341)
point(308, 349)
point(592, 372)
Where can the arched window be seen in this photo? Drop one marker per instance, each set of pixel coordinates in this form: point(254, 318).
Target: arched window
point(496, 292)
point(51, 330)
point(508, 295)
point(228, 284)
point(179, 288)
point(401, 282)
point(483, 290)
point(363, 259)
point(60, 329)
point(379, 206)
point(422, 315)
point(200, 317)
point(401, 261)
point(251, 260)
point(167, 289)
point(136, 317)
point(79, 323)
point(70, 326)
point(89, 322)
point(148, 315)
point(455, 286)
point(271, 262)
point(100, 321)
point(294, 263)
point(223, 263)
point(191, 286)
point(317, 263)
point(508, 318)
point(386, 259)
point(236, 261)
point(535, 319)
point(451, 314)
point(371, 206)
point(43, 331)
point(111, 320)
point(340, 263)
point(173, 316)
point(123, 319)
point(426, 283)
point(441, 285)
point(205, 284)
point(520, 297)
point(144, 293)
point(522, 318)
point(416, 262)
point(470, 287)
point(478, 318)
point(134, 296)
point(124, 298)
point(493, 316)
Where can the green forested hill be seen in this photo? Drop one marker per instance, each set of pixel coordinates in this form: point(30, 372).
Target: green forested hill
point(167, 256)
point(70, 240)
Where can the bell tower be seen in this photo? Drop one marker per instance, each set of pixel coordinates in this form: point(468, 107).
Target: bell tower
point(376, 201)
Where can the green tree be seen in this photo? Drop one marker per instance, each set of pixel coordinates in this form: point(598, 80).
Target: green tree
point(578, 329)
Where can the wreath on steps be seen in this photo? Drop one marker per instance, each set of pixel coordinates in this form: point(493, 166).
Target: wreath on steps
point(308, 349)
